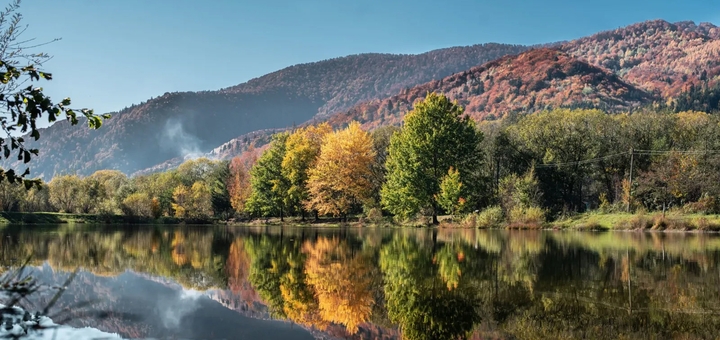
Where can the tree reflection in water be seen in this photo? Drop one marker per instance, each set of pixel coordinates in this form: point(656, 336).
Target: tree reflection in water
point(414, 284)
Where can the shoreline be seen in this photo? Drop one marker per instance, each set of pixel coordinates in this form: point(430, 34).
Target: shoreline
point(592, 221)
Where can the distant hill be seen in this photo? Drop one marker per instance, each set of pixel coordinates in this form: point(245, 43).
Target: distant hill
point(656, 56)
point(188, 123)
point(616, 70)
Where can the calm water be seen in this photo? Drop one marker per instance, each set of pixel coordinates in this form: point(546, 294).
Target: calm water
point(303, 283)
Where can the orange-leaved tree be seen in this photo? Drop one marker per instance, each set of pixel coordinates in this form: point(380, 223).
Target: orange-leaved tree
point(239, 187)
point(341, 176)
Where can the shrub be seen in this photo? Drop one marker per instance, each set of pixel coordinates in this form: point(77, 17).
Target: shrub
point(669, 223)
point(526, 217)
point(705, 225)
point(639, 221)
point(590, 225)
point(374, 216)
point(490, 217)
point(469, 221)
point(707, 204)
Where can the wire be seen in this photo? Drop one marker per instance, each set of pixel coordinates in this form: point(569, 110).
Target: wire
point(635, 152)
point(585, 161)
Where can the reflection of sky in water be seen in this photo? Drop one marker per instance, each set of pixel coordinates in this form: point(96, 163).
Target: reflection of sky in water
point(139, 307)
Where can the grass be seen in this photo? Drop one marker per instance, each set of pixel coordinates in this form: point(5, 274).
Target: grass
point(673, 221)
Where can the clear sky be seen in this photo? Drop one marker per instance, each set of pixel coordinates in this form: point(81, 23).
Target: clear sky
point(114, 53)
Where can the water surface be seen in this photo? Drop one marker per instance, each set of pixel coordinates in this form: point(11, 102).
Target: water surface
point(303, 283)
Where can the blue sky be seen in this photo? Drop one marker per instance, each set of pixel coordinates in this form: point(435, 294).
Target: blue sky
point(114, 53)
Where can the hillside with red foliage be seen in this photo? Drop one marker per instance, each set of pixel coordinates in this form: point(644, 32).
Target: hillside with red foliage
point(615, 70)
point(535, 80)
point(657, 56)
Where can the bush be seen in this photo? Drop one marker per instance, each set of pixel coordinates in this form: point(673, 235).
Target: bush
point(526, 217)
point(639, 221)
point(705, 225)
point(491, 217)
point(469, 221)
point(705, 205)
point(374, 216)
point(669, 223)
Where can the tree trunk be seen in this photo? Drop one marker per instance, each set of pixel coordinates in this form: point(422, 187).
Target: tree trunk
point(434, 218)
point(281, 215)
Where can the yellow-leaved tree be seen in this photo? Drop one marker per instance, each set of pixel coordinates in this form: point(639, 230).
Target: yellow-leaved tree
point(342, 173)
point(302, 149)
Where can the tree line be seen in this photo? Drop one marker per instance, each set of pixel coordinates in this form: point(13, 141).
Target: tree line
point(524, 169)
point(520, 170)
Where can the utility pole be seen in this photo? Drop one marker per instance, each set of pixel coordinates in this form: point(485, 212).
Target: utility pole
point(632, 158)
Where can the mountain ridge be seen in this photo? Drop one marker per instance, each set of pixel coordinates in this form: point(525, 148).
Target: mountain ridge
point(627, 67)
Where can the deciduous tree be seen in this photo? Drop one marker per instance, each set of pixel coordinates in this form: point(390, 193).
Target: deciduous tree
point(23, 103)
point(301, 154)
point(436, 136)
point(341, 176)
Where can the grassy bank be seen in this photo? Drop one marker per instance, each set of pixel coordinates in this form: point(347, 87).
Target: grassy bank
point(588, 221)
point(640, 221)
point(62, 218)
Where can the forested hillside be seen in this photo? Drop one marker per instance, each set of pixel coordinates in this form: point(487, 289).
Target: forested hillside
point(535, 80)
point(189, 123)
point(653, 62)
point(668, 65)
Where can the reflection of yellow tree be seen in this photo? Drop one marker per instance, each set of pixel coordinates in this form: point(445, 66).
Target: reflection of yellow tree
point(448, 260)
point(341, 282)
point(300, 303)
point(178, 249)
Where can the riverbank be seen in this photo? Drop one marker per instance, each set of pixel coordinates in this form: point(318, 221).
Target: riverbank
point(639, 221)
point(63, 218)
point(591, 221)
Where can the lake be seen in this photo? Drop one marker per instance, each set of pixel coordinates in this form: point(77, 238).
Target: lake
point(216, 282)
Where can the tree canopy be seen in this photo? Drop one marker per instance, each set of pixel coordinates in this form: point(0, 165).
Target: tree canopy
point(435, 137)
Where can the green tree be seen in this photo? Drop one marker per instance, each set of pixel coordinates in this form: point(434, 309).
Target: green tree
point(381, 141)
point(435, 136)
point(520, 191)
point(217, 182)
point(451, 194)
point(11, 194)
point(269, 186)
point(22, 102)
point(567, 139)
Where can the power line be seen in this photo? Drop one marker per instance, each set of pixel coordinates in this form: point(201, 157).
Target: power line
point(585, 161)
point(634, 152)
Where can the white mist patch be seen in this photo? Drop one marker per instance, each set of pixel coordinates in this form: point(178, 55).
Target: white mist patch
point(172, 312)
point(175, 137)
